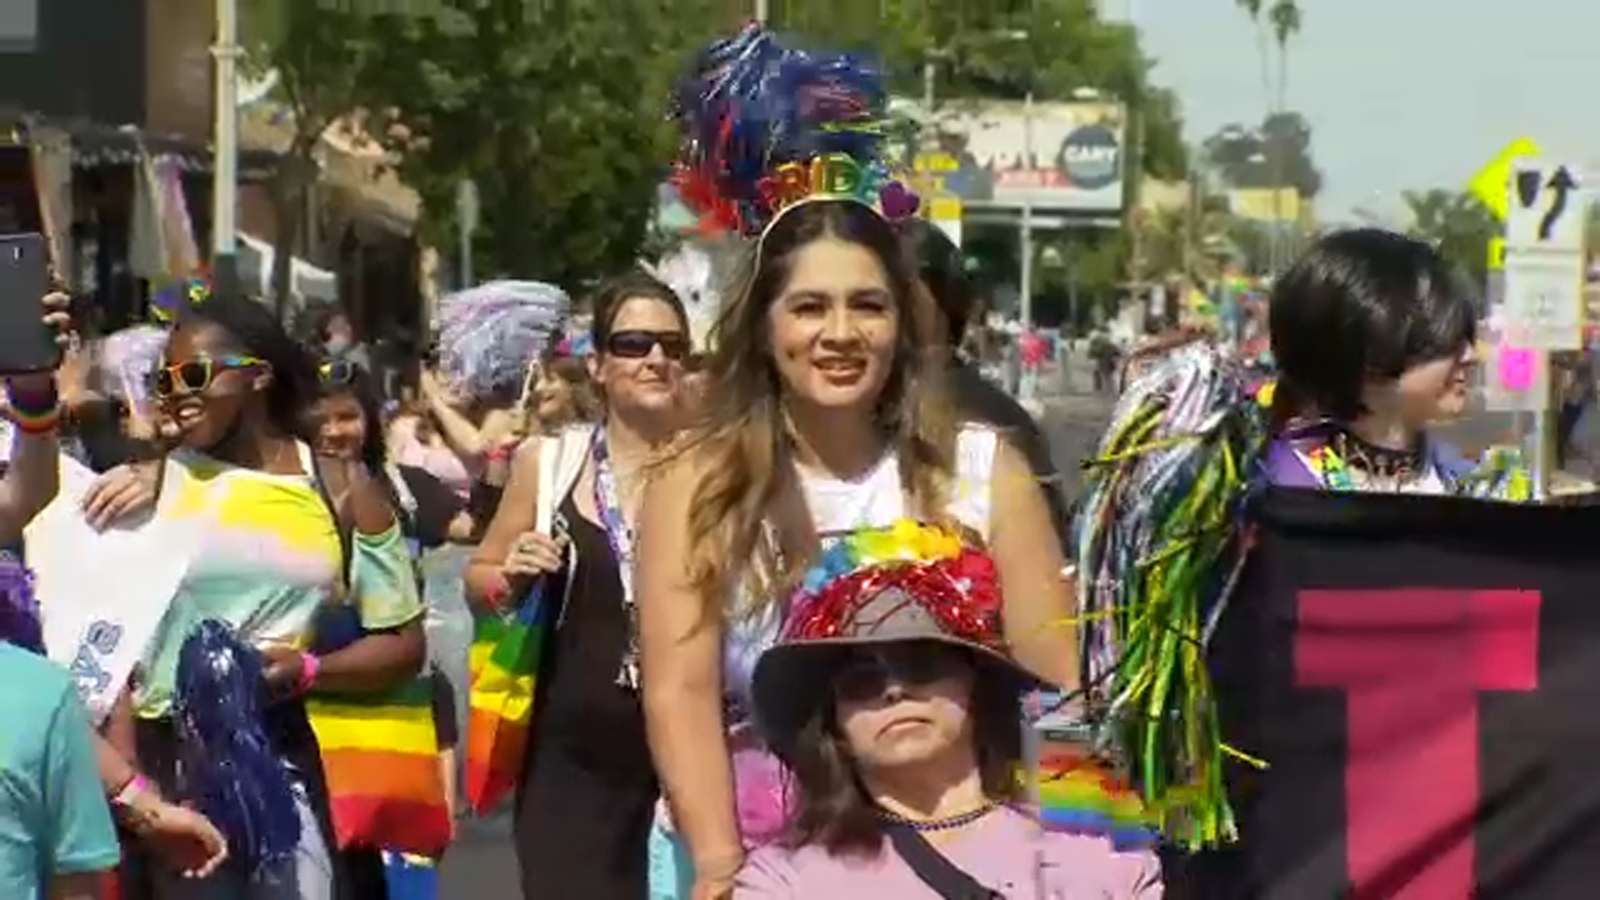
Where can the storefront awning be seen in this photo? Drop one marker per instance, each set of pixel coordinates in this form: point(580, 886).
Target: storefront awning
point(307, 283)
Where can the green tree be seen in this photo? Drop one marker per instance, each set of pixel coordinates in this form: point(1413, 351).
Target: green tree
point(1458, 224)
point(555, 110)
point(314, 50)
point(1002, 49)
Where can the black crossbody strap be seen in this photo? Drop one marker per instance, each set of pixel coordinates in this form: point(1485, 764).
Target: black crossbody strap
point(937, 872)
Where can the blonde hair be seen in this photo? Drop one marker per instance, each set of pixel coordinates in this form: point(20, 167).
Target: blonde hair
point(582, 396)
point(748, 487)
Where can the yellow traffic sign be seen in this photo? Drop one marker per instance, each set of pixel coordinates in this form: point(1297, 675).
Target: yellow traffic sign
point(1492, 184)
point(1497, 254)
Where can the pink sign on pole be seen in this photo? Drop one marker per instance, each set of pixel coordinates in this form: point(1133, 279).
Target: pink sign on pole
point(1518, 368)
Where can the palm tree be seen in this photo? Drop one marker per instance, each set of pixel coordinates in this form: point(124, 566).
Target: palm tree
point(1457, 224)
point(1285, 19)
point(1252, 8)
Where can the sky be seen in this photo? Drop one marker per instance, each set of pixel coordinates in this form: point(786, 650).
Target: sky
point(1400, 94)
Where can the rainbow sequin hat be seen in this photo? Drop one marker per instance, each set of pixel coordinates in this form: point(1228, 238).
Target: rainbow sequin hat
point(907, 582)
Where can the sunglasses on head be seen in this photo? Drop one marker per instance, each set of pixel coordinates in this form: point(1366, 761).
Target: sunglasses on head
point(338, 371)
point(193, 376)
point(637, 344)
point(867, 673)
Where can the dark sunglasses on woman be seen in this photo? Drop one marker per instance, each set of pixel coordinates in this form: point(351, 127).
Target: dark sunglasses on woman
point(868, 672)
point(637, 344)
point(193, 376)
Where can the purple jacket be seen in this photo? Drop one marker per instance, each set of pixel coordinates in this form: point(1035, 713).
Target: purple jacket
point(1286, 467)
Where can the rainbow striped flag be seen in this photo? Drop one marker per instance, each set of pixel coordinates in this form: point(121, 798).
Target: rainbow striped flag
point(504, 665)
point(380, 754)
point(1081, 795)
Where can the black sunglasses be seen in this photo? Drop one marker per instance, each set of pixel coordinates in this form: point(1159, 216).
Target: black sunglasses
point(637, 344)
point(867, 673)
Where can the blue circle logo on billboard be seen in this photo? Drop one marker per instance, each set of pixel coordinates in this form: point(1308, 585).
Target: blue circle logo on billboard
point(1091, 157)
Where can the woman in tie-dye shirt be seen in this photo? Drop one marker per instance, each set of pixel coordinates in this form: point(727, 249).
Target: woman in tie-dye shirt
point(286, 534)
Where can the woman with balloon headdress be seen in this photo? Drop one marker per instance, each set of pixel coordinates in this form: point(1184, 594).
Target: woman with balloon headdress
point(825, 417)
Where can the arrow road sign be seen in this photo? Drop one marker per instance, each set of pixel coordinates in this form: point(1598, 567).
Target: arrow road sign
point(1544, 256)
point(1560, 184)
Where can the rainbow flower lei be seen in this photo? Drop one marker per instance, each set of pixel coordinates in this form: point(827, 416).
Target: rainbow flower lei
point(955, 582)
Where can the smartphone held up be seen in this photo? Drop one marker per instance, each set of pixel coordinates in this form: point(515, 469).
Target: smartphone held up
point(28, 342)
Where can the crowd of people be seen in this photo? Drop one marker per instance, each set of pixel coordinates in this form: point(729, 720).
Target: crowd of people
point(802, 581)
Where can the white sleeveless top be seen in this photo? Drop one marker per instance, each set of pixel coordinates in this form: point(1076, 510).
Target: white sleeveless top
point(840, 506)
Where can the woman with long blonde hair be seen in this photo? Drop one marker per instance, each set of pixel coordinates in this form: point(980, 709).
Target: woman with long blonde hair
point(825, 416)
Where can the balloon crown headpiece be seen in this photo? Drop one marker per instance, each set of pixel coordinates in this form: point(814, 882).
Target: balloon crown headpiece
point(767, 127)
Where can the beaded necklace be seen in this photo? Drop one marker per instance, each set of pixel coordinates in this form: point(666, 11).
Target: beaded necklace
point(945, 824)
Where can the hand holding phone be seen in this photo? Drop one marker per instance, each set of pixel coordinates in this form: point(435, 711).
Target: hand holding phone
point(34, 319)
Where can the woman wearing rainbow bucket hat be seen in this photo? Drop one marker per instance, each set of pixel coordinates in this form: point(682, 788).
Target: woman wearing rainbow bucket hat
point(891, 698)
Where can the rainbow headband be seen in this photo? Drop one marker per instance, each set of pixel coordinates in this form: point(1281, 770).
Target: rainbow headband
point(837, 176)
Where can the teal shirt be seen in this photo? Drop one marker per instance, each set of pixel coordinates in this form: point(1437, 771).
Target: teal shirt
point(54, 818)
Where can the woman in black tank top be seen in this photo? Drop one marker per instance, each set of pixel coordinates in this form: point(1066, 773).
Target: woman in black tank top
point(587, 795)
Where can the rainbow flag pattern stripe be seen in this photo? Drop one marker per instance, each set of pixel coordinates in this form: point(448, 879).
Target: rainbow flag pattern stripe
point(504, 665)
point(380, 755)
point(1080, 795)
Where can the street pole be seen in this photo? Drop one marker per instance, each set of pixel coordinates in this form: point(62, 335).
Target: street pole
point(928, 74)
point(1026, 385)
point(225, 164)
point(761, 11)
point(467, 212)
point(1025, 300)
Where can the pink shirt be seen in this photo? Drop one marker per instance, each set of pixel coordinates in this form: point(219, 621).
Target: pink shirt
point(1005, 852)
point(436, 459)
point(1034, 350)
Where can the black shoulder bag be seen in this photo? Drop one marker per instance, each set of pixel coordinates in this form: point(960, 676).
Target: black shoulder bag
point(937, 872)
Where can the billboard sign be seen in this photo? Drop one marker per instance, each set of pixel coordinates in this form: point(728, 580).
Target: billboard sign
point(1077, 163)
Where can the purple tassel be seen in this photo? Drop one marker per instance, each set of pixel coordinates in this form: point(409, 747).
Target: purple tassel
point(230, 769)
point(19, 608)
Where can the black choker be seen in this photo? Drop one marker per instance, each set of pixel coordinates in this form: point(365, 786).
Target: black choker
point(947, 823)
point(1379, 462)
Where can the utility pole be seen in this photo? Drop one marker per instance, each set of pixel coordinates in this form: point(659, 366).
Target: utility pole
point(1133, 169)
point(225, 164)
point(1025, 300)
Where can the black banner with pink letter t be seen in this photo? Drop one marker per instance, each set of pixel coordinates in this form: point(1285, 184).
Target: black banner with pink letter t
point(1422, 677)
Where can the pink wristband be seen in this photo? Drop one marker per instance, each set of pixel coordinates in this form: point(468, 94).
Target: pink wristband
point(131, 791)
point(309, 665)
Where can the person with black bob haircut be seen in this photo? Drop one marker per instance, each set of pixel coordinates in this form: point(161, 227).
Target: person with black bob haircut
point(1374, 341)
point(286, 532)
point(941, 269)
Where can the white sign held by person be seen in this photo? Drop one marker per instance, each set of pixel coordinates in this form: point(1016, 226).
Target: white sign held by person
point(102, 594)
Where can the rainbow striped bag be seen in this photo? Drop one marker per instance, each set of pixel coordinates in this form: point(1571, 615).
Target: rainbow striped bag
point(504, 665)
point(503, 662)
point(380, 755)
